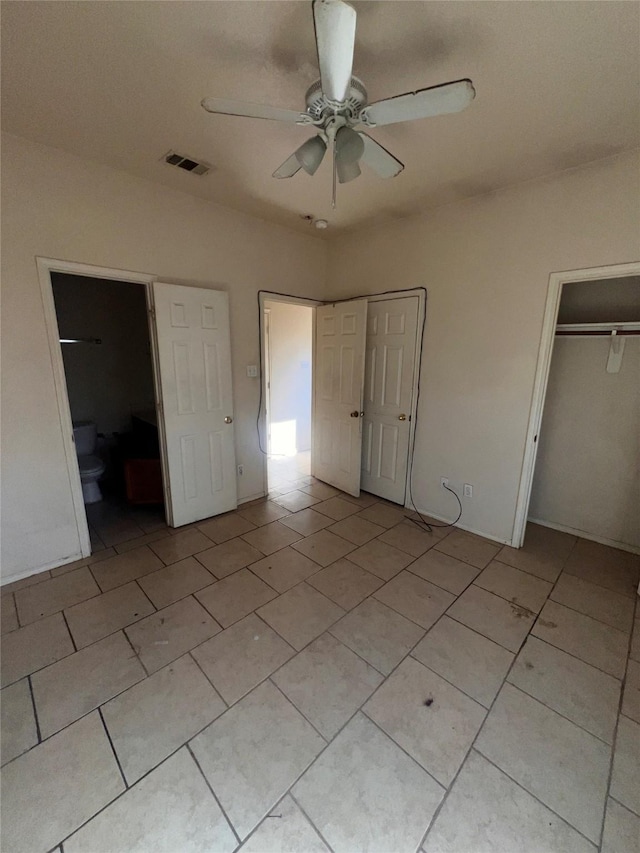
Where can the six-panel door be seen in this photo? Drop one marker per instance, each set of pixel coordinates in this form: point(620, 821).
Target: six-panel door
point(194, 354)
point(388, 394)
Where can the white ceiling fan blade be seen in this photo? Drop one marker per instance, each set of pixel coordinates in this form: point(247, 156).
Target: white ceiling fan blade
point(223, 106)
point(435, 101)
point(335, 24)
point(288, 169)
point(377, 158)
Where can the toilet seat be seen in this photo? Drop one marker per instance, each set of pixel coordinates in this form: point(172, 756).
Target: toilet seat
point(90, 465)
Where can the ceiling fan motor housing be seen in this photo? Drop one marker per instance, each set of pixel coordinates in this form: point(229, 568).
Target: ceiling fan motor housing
point(319, 106)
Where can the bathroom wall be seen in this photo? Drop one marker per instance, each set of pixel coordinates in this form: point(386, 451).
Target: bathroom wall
point(291, 343)
point(106, 382)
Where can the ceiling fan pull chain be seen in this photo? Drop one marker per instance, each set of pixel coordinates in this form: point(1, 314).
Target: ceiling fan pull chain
point(335, 171)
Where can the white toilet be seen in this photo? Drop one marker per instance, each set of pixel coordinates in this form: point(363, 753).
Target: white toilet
point(85, 435)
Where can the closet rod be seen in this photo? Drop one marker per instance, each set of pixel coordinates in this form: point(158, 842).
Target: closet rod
point(621, 334)
point(602, 329)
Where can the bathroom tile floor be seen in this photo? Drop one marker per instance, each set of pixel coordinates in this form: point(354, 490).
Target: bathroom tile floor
point(314, 672)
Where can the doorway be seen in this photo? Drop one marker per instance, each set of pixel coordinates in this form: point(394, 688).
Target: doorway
point(365, 359)
point(580, 465)
point(106, 352)
point(190, 348)
point(288, 349)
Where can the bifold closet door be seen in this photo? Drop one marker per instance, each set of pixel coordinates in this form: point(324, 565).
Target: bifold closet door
point(196, 409)
point(388, 397)
point(338, 388)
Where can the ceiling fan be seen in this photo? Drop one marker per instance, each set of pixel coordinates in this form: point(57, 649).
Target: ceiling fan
point(337, 104)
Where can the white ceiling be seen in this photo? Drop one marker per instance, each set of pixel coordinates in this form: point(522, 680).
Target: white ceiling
point(557, 85)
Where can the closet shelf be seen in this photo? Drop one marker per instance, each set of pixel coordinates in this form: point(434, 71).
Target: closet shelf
point(605, 329)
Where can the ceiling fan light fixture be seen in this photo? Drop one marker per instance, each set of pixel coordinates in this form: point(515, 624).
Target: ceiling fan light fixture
point(311, 153)
point(347, 171)
point(349, 145)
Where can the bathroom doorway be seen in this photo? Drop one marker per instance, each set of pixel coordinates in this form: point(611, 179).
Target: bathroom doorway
point(108, 365)
point(288, 347)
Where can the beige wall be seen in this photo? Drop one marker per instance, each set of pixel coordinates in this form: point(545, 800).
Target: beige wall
point(485, 262)
point(58, 206)
point(587, 474)
point(486, 265)
point(290, 399)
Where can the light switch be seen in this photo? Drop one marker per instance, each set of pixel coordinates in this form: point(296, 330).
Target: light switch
point(252, 371)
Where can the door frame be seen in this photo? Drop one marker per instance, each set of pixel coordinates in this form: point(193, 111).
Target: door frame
point(266, 316)
point(46, 266)
point(421, 293)
point(263, 443)
point(267, 296)
point(550, 319)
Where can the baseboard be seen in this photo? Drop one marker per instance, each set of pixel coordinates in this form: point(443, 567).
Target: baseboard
point(583, 534)
point(255, 497)
point(30, 572)
point(462, 526)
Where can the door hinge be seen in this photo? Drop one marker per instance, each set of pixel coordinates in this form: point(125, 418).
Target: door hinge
point(152, 311)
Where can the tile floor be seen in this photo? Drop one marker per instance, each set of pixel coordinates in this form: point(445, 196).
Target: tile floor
point(314, 672)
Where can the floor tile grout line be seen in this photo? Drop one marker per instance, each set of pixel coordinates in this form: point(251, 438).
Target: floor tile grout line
point(187, 746)
point(443, 588)
point(383, 675)
point(502, 646)
point(472, 747)
point(549, 643)
point(133, 649)
point(83, 715)
point(444, 678)
point(614, 744)
point(308, 817)
point(209, 681)
point(141, 588)
point(35, 714)
point(113, 750)
point(535, 797)
point(591, 616)
point(133, 785)
point(473, 744)
point(560, 714)
point(599, 585)
point(536, 613)
point(326, 740)
point(66, 622)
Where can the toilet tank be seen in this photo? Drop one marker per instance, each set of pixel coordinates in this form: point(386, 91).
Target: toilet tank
point(85, 435)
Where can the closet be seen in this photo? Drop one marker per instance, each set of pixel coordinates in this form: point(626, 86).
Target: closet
point(587, 475)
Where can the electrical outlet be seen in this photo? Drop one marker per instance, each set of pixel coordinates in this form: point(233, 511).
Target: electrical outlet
point(444, 483)
point(468, 490)
point(240, 470)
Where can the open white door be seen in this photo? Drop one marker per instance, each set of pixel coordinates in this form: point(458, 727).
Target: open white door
point(388, 397)
point(194, 355)
point(338, 389)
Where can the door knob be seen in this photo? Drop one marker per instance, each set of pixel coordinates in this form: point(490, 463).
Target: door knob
point(228, 420)
point(402, 417)
point(355, 414)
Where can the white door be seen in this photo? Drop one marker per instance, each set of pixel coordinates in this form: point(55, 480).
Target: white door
point(390, 362)
point(338, 384)
point(194, 355)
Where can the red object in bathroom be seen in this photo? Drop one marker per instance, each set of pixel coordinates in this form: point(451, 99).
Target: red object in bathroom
point(143, 481)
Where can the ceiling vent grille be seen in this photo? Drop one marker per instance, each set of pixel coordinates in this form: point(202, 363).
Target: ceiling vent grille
point(189, 164)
